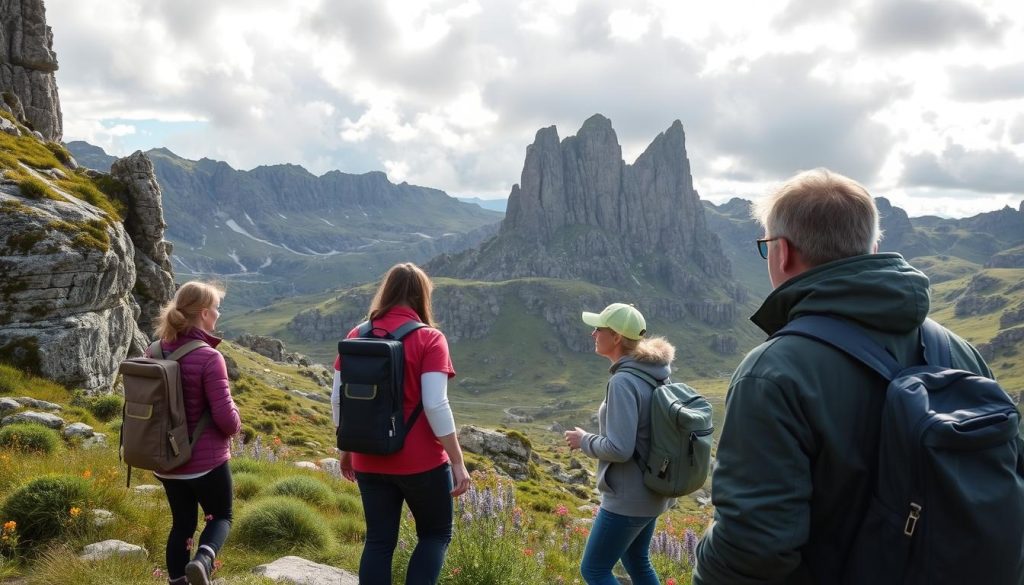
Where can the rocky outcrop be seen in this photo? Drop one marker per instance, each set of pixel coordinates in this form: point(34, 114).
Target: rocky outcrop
point(1004, 344)
point(1012, 258)
point(67, 310)
point(27, 66)
point(509, 452)
point(271, 348)
point(144, 222)
point(1011, 317)
point(581, 213)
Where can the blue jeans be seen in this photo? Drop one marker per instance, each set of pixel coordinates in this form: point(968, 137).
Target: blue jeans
point(429, 498)
point(615, 537)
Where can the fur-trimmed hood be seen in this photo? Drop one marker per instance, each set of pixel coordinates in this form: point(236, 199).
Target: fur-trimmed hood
point(656, 350)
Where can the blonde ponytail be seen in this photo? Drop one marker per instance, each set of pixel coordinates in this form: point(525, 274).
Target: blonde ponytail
point(182, 312)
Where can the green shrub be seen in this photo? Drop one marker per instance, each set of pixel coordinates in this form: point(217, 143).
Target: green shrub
point(246, 465)
point(308, 489)
point(47, 508)
point(246, 484)
point(348, 503)
point(106, 407)
point(282, 524)
point(350, 527)
point(265, 426)
point(248, 433)
point(276, 406)
point(29, 437)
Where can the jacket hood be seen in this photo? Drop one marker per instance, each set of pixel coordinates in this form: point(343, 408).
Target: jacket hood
point(652, 356)
point(880, 291)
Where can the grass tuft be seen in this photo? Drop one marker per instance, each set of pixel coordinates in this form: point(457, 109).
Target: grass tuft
point(282, 524)
point(308, 489)
point(29, 438)
point(47, 508)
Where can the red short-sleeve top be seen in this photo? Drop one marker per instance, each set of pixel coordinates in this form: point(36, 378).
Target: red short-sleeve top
point(426, 350)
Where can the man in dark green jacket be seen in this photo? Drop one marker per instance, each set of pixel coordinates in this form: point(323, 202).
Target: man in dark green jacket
point(793, 479)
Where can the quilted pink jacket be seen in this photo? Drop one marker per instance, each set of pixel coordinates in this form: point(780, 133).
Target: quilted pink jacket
point(204, 381)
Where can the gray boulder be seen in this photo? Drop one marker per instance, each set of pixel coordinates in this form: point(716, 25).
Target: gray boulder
point(78, 429)
point(300, 571)
point(96, 441)
point(8, 404)
point(38, 404)
point(40, 418)
point(99, 551)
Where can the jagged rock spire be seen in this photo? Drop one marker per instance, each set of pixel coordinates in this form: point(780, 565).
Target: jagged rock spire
point(27, 66)
point(581, 212)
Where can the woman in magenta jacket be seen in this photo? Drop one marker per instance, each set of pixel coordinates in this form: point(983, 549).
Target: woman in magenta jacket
point(205, 480)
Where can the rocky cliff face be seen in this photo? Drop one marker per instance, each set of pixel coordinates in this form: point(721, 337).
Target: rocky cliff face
point(580, 212)
point(27, 66)
point(144, 223)
point(67, 309)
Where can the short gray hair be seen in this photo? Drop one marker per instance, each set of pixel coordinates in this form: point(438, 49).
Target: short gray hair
point(825, 215)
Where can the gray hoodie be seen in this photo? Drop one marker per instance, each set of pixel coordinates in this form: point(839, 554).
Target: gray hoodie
point(624, 419)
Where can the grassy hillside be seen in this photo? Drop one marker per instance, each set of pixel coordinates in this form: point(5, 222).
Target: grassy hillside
point(534, 536)
point(522, 363)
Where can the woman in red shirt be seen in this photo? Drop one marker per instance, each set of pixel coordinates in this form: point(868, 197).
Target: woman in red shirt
point(428, 471)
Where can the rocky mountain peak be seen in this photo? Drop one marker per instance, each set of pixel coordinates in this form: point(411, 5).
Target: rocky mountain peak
point(581, 212)
point(27, 65)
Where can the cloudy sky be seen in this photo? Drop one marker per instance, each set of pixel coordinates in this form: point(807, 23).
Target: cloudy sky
point(921, 100)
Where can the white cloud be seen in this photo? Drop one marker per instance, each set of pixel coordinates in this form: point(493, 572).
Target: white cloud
point(448, 93)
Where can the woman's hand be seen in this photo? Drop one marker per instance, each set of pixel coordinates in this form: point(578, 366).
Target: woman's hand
point(460, 479)
point(345, 462)
point(573, 438)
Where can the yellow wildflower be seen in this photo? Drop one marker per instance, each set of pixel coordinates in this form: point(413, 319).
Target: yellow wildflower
point(75, 512)
point(87, 474)
point(10, 526)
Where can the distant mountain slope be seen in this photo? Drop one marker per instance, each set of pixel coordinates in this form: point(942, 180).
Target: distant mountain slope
point(492, 204)
point(280, 230)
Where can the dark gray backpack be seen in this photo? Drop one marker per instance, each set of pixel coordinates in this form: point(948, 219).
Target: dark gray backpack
point(372, 392)
point(948, 505)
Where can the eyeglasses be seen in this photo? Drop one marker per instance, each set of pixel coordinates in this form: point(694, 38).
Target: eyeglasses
point(762, 246)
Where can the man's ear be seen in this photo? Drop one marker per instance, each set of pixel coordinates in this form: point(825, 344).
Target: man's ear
point(791, 261)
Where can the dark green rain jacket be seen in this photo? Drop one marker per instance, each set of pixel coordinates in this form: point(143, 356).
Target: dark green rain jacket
point(801, 426)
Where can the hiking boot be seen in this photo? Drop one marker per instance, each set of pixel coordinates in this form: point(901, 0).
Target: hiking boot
point(178, 581)
point(199, 569)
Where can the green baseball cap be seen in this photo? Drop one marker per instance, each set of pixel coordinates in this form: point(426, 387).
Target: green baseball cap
point(621, 318)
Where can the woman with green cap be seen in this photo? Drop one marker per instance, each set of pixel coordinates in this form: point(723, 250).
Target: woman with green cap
point(625, 522)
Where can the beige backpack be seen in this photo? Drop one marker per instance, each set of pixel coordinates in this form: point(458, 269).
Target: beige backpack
point(154, 431)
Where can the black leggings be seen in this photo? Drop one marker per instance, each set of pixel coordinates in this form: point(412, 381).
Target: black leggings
point(211, 491)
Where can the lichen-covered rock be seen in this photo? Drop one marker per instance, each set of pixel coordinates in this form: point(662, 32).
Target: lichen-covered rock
point(27, 66)
point(66, 310)
point(78, 429)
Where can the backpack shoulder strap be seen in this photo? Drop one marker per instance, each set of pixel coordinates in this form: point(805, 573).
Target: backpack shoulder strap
point(407, 328)
point(186, 349)
point(364, 328)
point(937, 350)
point(156, 351)
point(847, 338)
point(642, 375)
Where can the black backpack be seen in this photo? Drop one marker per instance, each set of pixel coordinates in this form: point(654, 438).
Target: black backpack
point(371, 392)
point(948, 503)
